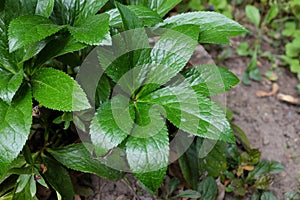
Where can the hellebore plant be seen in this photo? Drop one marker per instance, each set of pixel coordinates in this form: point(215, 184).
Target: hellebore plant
point(146, 95)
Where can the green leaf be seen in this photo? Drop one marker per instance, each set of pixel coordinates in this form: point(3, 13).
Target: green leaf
point(59, 46)
point(29, 29)
point(169, 56)
point(135, 36)
point(137, 2)
point(209, 79)
point(115, 66)
point(14, 127)
point(215, 162)
point(127, 50)
point(22, 182)
point(214, 27)
point(255, 195)
point(111, 124)
point(291, 195)
point(30, 50)
point(25, 188)
point(272, 13)
point(243, 49)
point(58, 177)
point(8, 61)
point(246, 79)
point(253, 14)
point(237, 186)
point(147, 16)
point(152, 180)
point(32, 184)
point(71, 45)
point(252, 72)
point(92, 30)
point(57, 90)
point(9, 84)
point(292, 49)
point(147, 148)
point(103, 90)
point(265, 167)
point(242, 136)
point(7, 196)
point(163, 6)
point(192, 113)
point(255, 74)
point(90, 8)
point(17, 163)
point(16, 8)
point(289, 28)
point(174, 182)
point(267, 195)
point(65, 12)
point(129, 18)
point(188, 163)
point(208, 189)
point(77, 157)
point(189, 194)
point(44, 7)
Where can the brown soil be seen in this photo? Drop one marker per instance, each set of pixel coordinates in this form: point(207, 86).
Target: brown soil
point(272, 126)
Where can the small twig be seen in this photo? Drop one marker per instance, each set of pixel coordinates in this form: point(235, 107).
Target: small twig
point(128, 184)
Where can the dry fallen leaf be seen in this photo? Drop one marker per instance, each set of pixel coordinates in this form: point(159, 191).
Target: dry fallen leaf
point(248, 168)
point(288, 99)
point(221, 190)
point(275, 89)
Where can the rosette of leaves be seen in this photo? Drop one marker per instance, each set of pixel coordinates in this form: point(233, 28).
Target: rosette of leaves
point(152, 87)
point(36, 32)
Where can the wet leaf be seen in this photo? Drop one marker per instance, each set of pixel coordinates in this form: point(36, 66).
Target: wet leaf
point(147, 148)
point(16, 120)
point(208, 189)
point(26, 188)
point(209, 80)
point(9, 84)
point(58, 177)
point(56, 90)
point(189, 165)
point(163, 6)
point(147, 16)
point(253, 14)
point(214, 27)
point(29, 29)
point(44, 7)
point(111, 125)
point(189, 194)
point(92, 30)
point(77, 157)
